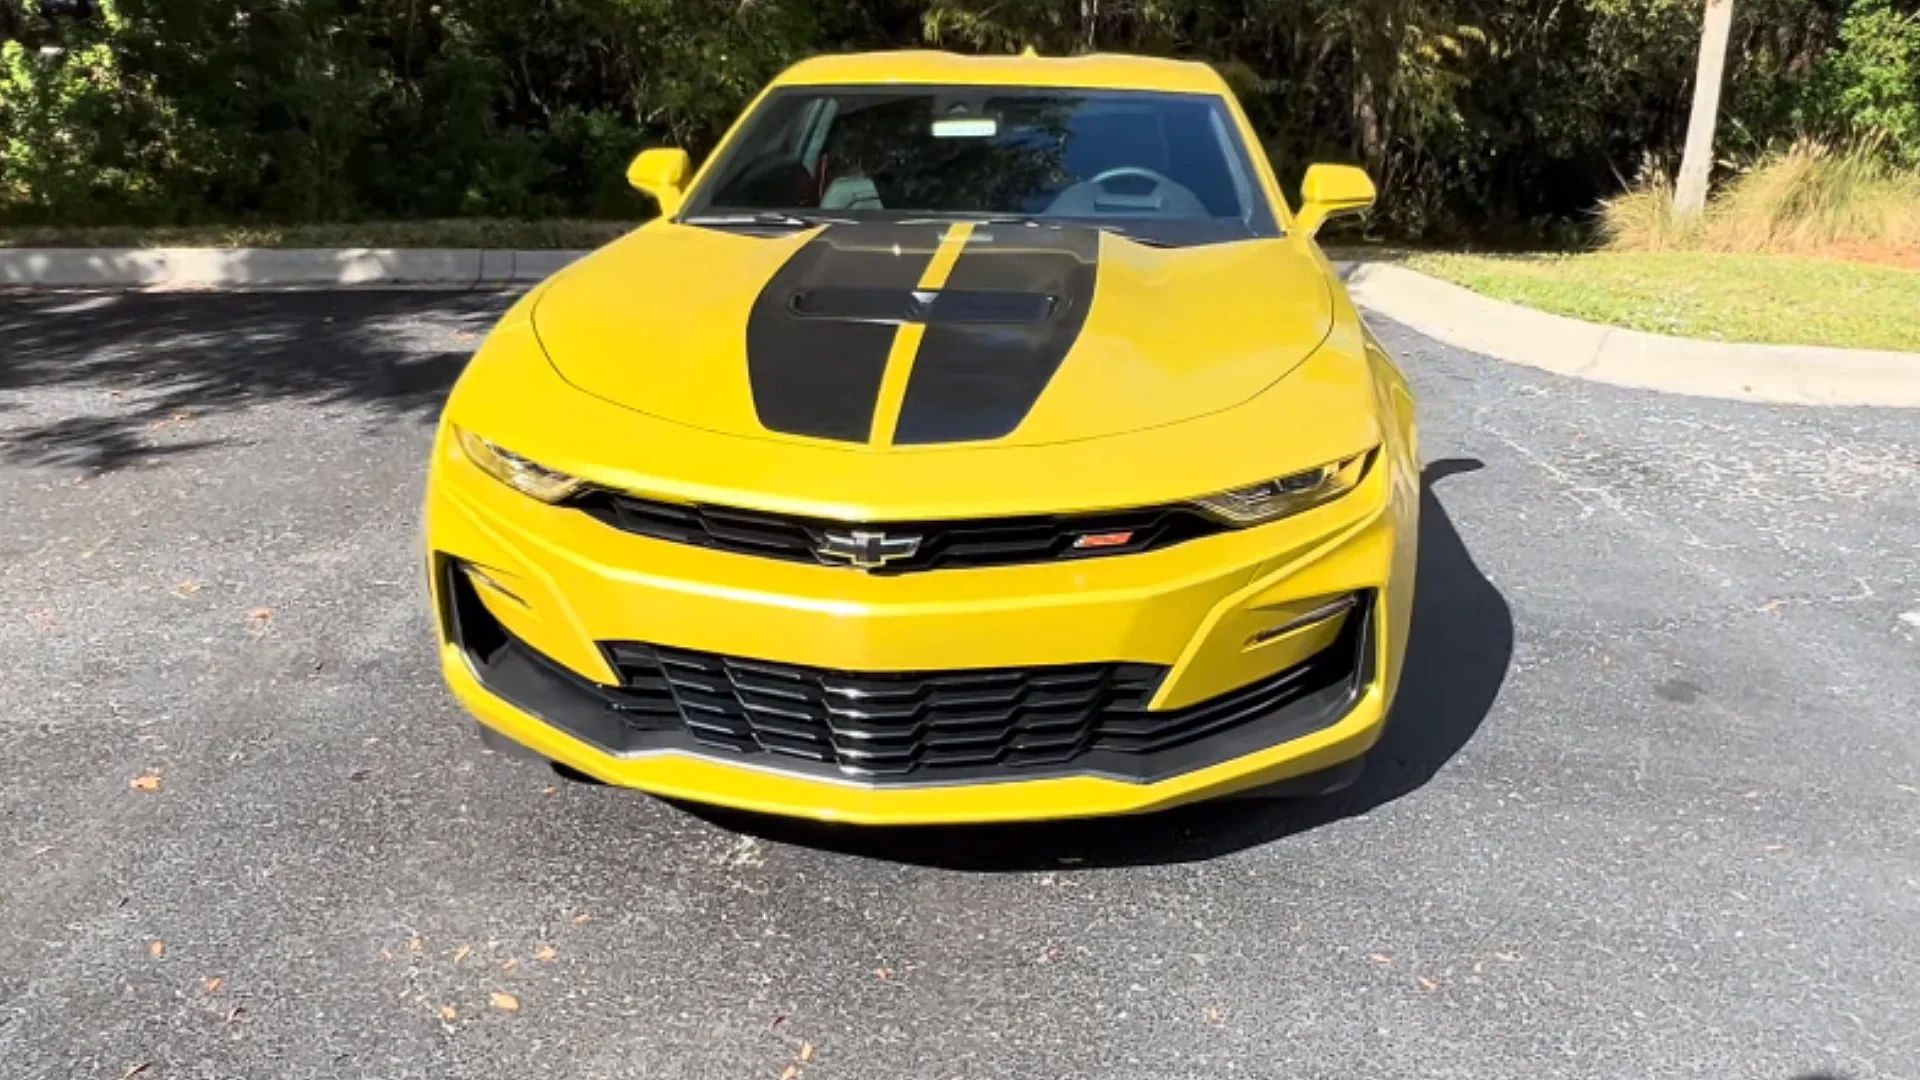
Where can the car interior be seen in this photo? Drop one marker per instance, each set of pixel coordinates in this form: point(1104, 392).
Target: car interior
point(1166, 157)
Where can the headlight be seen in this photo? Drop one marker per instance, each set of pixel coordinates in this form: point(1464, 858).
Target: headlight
point(524, 476)
point(1290, 494)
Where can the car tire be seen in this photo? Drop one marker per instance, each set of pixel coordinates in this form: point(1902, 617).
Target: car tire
point(497, 743)
point(1314, 785)
point(505, 747)
point(574, 776)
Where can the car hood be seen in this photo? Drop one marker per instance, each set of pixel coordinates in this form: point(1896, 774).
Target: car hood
point(878, 335)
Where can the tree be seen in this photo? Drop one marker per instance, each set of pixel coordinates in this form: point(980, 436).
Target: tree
point(1696, 162)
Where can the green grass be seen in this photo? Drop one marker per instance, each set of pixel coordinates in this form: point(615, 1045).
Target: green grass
point(452, 232)
point(1775, 299)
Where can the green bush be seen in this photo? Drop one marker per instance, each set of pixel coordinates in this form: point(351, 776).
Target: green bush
point(1870, 84)
point(1474, 116)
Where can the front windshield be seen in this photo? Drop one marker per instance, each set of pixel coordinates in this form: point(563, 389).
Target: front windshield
point(1164, 167)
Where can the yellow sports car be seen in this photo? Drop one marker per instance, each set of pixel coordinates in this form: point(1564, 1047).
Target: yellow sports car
point(969, 439)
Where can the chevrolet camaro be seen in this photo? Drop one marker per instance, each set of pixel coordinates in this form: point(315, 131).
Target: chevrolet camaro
point(968, 439)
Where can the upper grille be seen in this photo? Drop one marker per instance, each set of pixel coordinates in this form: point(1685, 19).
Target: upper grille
point(943, 544)
point(889, 725)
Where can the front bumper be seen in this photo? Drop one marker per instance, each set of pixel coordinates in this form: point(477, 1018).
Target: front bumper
point(555, 594)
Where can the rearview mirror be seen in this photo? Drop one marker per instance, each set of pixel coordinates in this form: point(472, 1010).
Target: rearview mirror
point(1330, 191)
point(661, 173)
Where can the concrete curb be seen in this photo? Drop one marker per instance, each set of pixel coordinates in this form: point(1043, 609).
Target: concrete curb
point(275, 268)
point(1783, 374)
point(1779, 374)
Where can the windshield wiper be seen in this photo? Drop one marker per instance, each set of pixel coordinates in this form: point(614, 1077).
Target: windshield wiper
point(1138, 238)
point(981, 219)
point(1040, 223)
point(765, 218)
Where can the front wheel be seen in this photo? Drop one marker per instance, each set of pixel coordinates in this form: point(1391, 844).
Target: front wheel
point(1327, 781)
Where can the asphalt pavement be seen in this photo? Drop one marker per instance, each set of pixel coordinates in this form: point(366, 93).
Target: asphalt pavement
point(1649, 805)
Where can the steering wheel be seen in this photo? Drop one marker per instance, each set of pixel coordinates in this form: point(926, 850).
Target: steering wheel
point(1141, 171)
point(1167, 198)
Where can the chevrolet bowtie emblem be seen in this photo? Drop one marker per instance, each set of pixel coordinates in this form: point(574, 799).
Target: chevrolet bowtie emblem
point(865, 549)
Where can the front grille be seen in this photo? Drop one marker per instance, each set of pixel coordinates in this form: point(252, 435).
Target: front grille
point(937, 723)
point(908, 727)
point(943, 544)
point(879, 724)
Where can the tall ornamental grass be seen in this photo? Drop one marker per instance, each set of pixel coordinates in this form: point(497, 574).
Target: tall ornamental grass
point(1811, 199)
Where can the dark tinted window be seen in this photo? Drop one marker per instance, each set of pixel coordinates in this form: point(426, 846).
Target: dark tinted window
point(1126, 157)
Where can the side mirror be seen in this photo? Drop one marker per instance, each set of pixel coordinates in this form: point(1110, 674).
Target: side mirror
point(663, 175)
point(1330, 191)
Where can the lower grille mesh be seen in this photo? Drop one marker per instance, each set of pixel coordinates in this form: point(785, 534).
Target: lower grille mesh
point(881, 725)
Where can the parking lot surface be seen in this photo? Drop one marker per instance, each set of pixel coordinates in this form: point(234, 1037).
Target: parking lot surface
point(1649, 805)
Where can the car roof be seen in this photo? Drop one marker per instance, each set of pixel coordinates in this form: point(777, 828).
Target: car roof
point(1097, 71)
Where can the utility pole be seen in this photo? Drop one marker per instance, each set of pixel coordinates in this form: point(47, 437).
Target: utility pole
point(1690, 191)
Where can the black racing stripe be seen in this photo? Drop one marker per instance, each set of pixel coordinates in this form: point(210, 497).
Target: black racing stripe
point(976, 380)
point(819, 375)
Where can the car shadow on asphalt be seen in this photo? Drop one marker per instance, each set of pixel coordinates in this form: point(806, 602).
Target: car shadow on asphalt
point(1458, 652)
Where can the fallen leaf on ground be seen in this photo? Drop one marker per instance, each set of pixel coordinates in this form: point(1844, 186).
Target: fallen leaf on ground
point(186, 588)
point(509, 963)
point(789, 1072)
point(1426, 984)
point(213, 985)
point(1380, 958)
point(156, 949)
point(503, 1001)
point(415, 945)
point(260, 620)
point(462, 953)
point(581, 919)
point(883, 974)
point(386, 955)
point(146, 782)
point(234, 1013)
point(136, 1070)
point(449, 1013)
point(806, 1050)
point(1210, 1014)
point(549, 789)
point(545, 952)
